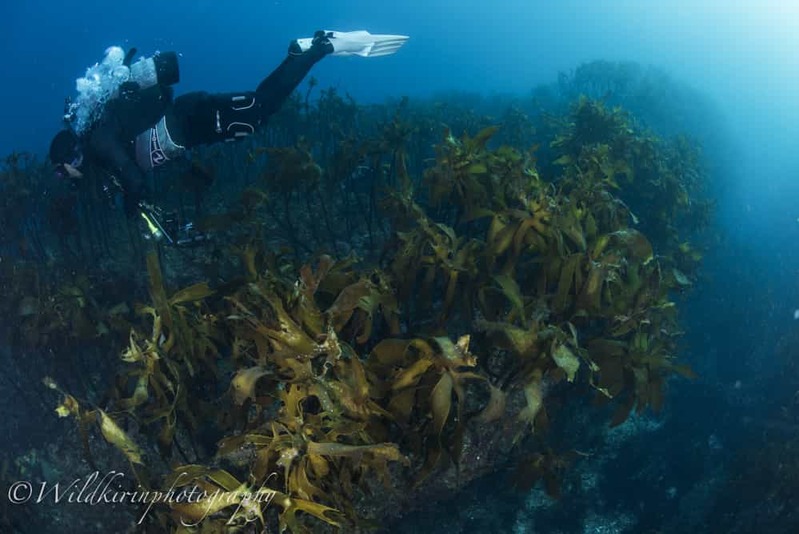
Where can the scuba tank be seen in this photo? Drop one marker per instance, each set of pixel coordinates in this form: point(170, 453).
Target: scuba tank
point(102, 82)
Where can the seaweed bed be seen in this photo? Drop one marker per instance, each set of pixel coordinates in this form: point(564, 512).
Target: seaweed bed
point(390, 303)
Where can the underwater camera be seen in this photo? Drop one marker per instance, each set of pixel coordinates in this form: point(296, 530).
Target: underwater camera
point(167, 227)
point(102, 82)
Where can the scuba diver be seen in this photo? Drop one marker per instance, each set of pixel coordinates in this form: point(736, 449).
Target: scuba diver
point(125, 121)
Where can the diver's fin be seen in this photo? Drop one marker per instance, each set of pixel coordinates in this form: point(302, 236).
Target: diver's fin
point(358, 43)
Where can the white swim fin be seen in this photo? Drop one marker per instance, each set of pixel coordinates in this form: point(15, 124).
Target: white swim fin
point(359, 43)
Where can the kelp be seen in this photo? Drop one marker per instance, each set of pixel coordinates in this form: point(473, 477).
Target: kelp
point(320, 376)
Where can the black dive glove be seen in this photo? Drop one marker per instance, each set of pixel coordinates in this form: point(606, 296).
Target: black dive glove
point(133, 188)
point(131, 203)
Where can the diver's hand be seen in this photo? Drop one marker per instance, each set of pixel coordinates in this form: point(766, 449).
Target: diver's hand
point(131, 181)
point(134, 199)
point(132, 205)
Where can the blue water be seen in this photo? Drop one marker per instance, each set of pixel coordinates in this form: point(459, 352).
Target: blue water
point(743, 56)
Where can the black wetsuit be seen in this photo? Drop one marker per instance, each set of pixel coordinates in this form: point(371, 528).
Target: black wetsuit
point(145, 128)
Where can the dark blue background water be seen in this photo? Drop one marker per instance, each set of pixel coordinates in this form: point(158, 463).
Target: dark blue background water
point(745, 57)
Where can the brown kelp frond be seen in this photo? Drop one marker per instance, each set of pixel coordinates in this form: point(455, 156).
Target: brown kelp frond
point(388, 305)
